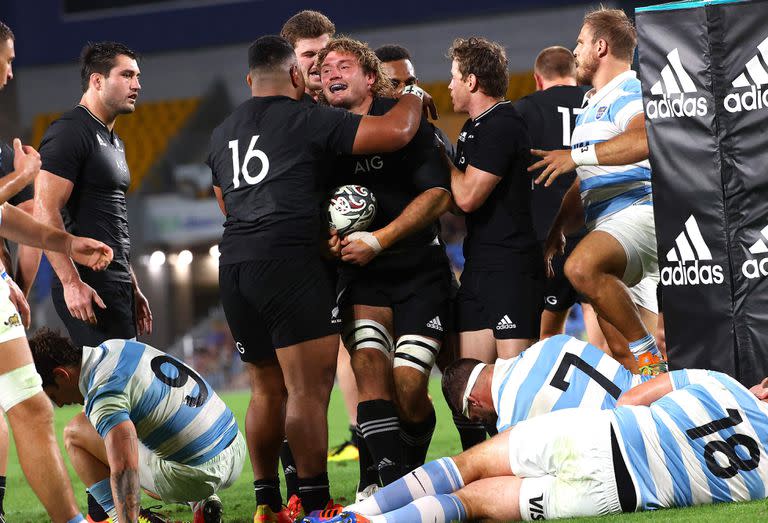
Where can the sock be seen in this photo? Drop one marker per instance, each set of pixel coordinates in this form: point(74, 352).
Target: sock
point(2, 494)
point(94, 509)
point(368, 473)
point(314, 492)
point(78, 519)
point(268, 493)
point(646, 344)
point(353, 436)
point(470, 433)
point(491, 430)
point(289, 470)
point(444, 508)
point(102, 494)
point(381, 432)
point(416, 438)
point(436, 477)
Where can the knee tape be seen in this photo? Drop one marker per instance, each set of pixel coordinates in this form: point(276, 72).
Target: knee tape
point(367, 334)
point(19, 385)
point(418, 352)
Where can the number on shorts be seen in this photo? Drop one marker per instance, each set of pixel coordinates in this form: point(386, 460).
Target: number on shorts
point(250, 154)
point(179, 381)
point(727, 447)
point(570, 359)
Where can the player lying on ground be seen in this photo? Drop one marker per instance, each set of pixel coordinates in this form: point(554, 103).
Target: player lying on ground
point(687, 438)
point(557, 373)
point(149, 421)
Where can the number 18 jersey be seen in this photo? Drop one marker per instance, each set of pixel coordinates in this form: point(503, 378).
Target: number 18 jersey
point(556, 373)
point(176, 413)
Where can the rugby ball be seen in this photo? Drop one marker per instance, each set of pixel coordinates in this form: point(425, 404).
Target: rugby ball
point(351, 208)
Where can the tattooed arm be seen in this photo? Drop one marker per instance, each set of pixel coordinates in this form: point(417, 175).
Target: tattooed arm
point(123, 456)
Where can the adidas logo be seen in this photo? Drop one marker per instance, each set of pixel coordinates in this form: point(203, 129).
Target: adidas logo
point(753, 78)
point(755, 268)
point(434, 323)
point(689, 251)
point(386, 462)
point(505, 323)
point(674, 84)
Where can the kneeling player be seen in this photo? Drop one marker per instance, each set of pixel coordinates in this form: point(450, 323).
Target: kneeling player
point(687, 438)
point(150, 421)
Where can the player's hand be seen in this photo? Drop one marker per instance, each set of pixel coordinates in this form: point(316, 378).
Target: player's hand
point(555, 244)
point(20, 302)
point(143, 313)
point(430, 109)
point(334, 244)
point(91, 253)
point(80, 298)
point(26, 162)
point(360, 248)
point(554, 164)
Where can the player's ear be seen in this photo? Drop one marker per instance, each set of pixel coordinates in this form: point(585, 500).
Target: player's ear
point(472, 82)
point(602, 47)
point(61, 376)
point(249, 80)
point(295, 73)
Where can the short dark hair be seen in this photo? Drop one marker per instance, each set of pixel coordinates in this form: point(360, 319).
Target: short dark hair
point(455, 378)
point(555, 62)
point(307, 24)
point(50, 350)
point(486, 60)
point(615, 27)
point(392, 53)
point(5, 32)
point(100, 57)
point(269, 53)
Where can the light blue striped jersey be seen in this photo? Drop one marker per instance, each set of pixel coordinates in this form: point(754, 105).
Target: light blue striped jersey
point(556, 373)
point(606, 189)
point(175, 412)
point(704, 442)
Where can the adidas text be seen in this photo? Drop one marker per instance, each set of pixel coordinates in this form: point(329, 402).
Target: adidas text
point(692, 274)
point(755, 268)
point(669, 107)
point(505, 323)
point(751, 100)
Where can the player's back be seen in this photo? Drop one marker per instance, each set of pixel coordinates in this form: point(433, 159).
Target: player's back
point(702, 443)
point(175, 411)
point(556, 373)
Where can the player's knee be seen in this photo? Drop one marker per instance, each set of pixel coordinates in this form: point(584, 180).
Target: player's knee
point(367, 334)
point(416, 352)
point(73, 431)
point(20, 389)
point(579, 272)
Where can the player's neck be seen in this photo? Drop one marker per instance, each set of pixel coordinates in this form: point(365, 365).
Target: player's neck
point(97, 109)
point(607, 72)
point(363, 107)
point(558, 82)
point(479, 103)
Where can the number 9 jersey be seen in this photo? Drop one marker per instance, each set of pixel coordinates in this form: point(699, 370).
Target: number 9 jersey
point(176, 413)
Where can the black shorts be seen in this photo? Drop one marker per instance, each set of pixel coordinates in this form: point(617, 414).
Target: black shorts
point(508, 302)
point(270, 304)
point(419, 297)
point(117, 321)
point(559, 294)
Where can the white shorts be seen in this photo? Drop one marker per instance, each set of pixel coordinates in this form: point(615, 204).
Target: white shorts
point(565, 460)
point(179, 483)
point(634, 228)
point(10, 319)
point(644, 294)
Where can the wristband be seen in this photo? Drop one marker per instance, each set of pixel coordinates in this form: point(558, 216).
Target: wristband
point(415, 90)
point(585, 155)
point(4, 276)
point(367, 238)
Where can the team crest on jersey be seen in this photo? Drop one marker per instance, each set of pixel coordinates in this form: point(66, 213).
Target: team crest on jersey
point(601, 112)
point(13, 321)
point(462, 136)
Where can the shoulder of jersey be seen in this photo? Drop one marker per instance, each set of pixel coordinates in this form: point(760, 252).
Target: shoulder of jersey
point(382, 105)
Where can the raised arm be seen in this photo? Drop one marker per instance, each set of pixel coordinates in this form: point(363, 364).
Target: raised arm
point(26, 165)
point(392, 131)
point(123, 456)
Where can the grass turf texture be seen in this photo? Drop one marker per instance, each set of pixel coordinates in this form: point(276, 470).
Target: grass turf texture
point(23, 507)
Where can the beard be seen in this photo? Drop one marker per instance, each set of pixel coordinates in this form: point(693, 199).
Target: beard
point(586, 70)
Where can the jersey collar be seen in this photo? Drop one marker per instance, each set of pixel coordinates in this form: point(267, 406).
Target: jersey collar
point(491, 108)
point(592, 96)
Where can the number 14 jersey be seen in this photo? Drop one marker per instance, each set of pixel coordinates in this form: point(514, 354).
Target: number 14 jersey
point(176, 413)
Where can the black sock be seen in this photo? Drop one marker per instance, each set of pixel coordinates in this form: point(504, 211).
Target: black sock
point(381, 431)
point(94, 509)
point(268, 493)
point(470, 433)
point(314, 492)
point(353, 435)
point(368, 473)
point(491, 430)
point(289, 470)
point(2, 493)
point(416, 438)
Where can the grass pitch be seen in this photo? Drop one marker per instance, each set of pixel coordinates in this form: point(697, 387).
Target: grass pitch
point(22, 506)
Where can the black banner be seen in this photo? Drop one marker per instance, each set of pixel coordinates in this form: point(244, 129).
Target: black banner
point(702, 67)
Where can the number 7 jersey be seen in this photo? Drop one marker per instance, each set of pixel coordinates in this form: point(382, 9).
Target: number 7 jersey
point(176, 413)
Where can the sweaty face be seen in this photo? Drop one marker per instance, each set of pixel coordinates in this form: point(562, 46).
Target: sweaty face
point(459, 89)
point(7, 55)
point(586, 56)
point(121, 88)
point(401, 73)
point(345, 84)
point(306, 51)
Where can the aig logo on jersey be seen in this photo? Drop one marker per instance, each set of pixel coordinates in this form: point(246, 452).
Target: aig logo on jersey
point(749, 84)
point(693, 260)
point(758, 266)
point(676, 89)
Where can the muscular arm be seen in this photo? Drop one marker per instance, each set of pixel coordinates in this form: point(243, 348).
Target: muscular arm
point(471, 188)
point(29, 257)
point(422, 211)
point(631, 146)
point(648, 392)
point(389, 132)
point(22, 228)
point(570, 217)
point(123, 456)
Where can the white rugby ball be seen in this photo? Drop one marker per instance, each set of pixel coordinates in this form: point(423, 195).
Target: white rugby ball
point(351, 208)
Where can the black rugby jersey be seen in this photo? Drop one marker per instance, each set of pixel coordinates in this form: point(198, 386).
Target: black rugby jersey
point(266, 159)
point(550, 116)
point(80, 148)
point(501, 229)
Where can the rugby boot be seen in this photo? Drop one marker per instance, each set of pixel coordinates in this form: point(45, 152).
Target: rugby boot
point(295, 509)
point(344, 517)
point(264, 514)
point(208, 511)
point(148, 515)
point(89, 519)
point(347, 451)
point(651, 364)
point(330, 511)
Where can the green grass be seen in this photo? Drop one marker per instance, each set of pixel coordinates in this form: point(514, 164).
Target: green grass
point(23, 507)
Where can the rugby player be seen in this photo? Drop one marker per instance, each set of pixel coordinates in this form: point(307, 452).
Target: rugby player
point(613, 189)
point(308, 32)
point(394, 280)
point(686, 438)
point(276, 294)
point(150, 422)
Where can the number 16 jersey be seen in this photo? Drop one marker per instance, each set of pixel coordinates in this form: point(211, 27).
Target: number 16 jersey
point(176, 413)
